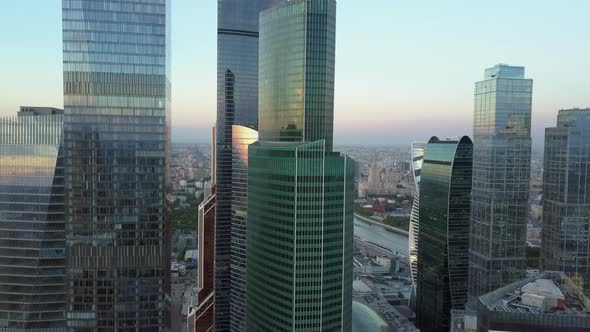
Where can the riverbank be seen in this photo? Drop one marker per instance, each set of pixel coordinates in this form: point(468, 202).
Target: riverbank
point(390, 228)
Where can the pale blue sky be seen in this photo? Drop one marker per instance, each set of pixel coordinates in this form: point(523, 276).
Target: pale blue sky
point(404, 69)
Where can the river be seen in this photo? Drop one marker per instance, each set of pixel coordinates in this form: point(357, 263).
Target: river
point(379, 235)
point(365, 319)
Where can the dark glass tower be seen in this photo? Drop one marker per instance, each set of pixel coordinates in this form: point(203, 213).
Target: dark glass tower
point(242, 136)
point(116, 131)
point(566, 194)
point(443, 254)
point(300, 193)
point(32, 245)
point(501, 169)
point(237, 104)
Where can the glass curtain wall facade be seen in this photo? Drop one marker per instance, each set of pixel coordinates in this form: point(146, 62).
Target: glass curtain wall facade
point(32, 258)
point(566, 194)
point(116, 136)
point(501, 170)
point(417, 152)
point(202, 317)
point(242, 136)
point(237, 104)
point(443, 255)
point(300, 193)
point(297, 56)
point(300, 228)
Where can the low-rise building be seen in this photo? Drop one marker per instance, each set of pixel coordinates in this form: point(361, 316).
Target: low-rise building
point(547, 301)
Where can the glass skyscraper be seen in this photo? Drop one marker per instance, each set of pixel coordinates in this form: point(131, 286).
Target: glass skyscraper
point(300, 229)
point(201, 318)
point(32, 254)
point(242, 136)
point(417, 154)
point(300, 193)
point(237, 104)
point(116, 136)
point(566, 194)
point(297, 57)
point(443, 254)
point(501, 169)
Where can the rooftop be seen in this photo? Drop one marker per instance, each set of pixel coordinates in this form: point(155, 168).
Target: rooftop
point(360, 286)
point(504, 71)
point(35, 110)
point(547, 293)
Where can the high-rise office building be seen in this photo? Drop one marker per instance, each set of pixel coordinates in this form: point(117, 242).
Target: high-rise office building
point(116, 136)
point(501, 169)
point(201, 318)
point(32, 254)
point(566, 194)
point(443, 254)
point(297, 48)
point(300, 229)
point(300, 193)
point(237, 104)
point(242, 136)
point(417, 154)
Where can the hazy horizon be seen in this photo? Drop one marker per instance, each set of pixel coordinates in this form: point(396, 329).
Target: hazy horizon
point(404, 71)
point(183, 135)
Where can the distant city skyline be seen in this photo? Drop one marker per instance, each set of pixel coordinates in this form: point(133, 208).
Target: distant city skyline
point(403, 72)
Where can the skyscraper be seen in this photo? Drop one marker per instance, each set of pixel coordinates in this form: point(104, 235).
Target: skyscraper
point(32, 254)
point(417, 153)
point(202, 317)
point(297, 72)
point(300, 205)
point(116, 136)
point(242, 136)
point(501, 169)
point(566, 194)
point(443, 254)
point(300, 193)
point(237, 104)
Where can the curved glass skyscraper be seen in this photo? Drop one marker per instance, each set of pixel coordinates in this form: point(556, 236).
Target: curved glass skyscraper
point(417, 153)
point(32, 245)
point(443, 254)
point(116, 130)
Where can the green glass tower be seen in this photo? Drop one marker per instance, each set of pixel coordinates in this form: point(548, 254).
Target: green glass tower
point(300, 192)
point(299, 238)
point(296, 72)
